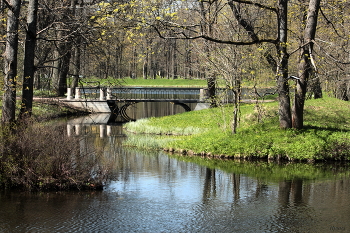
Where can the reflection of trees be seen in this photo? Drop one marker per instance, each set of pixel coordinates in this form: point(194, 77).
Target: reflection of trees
point(260, 188)
point(236, 186)
point(292, 198)
point(290, 193)
point(209, 188)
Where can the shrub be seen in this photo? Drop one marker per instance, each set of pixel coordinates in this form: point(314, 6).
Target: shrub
point(38, 156)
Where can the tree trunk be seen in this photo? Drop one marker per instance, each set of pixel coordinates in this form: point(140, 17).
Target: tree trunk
point(10, 63)
point(305, 64)
point(282, 70)
point(29, 55)
point(342, 91)
point(56, 70)
point(76, 65)
point(63, 50)
point(211, 81)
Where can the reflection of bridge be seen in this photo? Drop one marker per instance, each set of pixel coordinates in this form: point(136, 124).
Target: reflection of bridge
point(117, 100)
point(101, 121)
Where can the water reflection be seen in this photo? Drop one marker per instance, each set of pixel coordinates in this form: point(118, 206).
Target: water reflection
point(155, 192)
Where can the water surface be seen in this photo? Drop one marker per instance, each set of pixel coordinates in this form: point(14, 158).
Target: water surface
point(156, 192)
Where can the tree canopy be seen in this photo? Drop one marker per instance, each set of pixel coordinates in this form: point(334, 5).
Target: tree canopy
point(237, 41)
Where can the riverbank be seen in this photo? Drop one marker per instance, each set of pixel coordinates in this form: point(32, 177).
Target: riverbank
point(326, 135)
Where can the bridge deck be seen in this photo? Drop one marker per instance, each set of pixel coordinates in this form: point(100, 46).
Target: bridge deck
point(138, 100)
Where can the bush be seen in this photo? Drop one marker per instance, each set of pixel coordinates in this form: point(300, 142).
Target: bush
point(38, 156)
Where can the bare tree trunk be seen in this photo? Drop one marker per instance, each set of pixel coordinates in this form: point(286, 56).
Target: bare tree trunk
point(10, 63)
point(237, 99)
point(211, 81)
point(56, 70)
point(63, 50)
point(342, 91)
point(76, 65)
point(29, 55)
point(282, 71)
point(305, 64)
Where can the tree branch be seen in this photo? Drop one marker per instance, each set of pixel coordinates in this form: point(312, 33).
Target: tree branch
point(7, 4)
point(329, 22)
point(254, 4)
point(184, 36)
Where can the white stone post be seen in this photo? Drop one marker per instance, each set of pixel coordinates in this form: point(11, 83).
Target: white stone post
point(203, 94)
point(69, 93)
point(109, 93)
point(77, 93)
point(102, 94)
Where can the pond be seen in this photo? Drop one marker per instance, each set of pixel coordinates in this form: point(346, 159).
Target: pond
point(155, 192)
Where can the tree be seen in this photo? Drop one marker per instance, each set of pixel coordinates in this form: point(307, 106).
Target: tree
point(251, 38)
point(63, 46)
point(29, 56)
point(306, 65)
point(282, 68)
point(10, 62)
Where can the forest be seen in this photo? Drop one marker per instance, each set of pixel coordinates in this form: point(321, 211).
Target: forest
point(301, 47)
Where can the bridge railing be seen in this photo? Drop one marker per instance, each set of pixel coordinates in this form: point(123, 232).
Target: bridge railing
point(98, 93)
point(223, 95)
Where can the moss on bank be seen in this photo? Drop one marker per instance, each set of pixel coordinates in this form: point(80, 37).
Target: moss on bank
point(326, 135)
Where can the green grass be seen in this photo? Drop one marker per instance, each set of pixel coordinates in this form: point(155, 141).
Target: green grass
point(164, 82)
point(326, 134)
point(158, 82)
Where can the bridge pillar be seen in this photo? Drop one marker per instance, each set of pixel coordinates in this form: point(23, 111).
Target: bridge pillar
point(69, 93)
point(203, 94)
point(102, 94)
point(77, 93)
point(109, 93)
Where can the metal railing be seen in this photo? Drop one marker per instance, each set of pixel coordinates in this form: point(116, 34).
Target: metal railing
point(127, 93)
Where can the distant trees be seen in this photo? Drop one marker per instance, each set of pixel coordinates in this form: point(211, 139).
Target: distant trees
point(262, 41)
point(264, 23)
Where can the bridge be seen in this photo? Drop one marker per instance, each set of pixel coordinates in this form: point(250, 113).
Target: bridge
point(117, 100)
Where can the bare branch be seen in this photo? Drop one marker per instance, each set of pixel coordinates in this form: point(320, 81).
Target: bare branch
point(216, 40)
point(7, 4)
point(330, 56)
point(254, 4)
point(329, 22)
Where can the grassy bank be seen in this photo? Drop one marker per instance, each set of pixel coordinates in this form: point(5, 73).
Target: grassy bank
point(140, 82)
point(207, 132)
point(164, 82)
